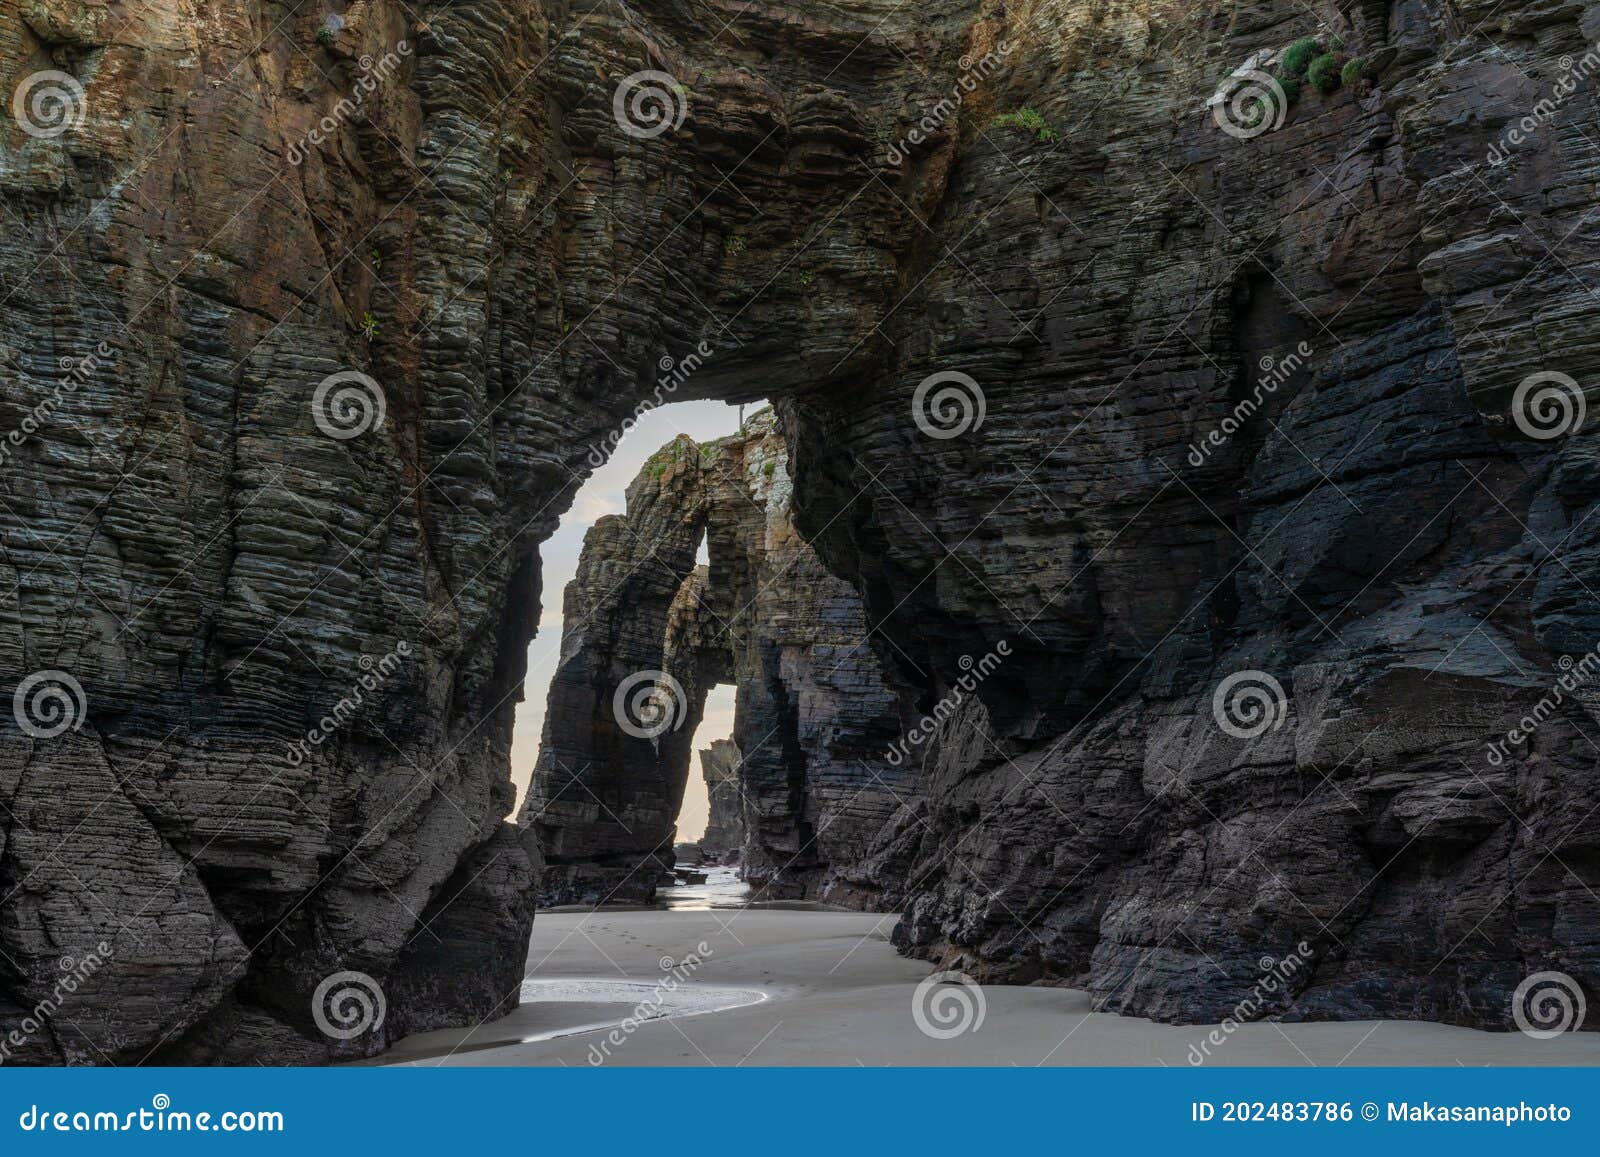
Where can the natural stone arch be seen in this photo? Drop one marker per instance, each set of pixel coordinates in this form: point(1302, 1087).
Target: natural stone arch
point(814, 716)
point(599, 798)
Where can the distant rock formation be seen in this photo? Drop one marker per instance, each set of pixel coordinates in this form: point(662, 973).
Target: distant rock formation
point(719, 764)
point(806, 790)
point(600, 802)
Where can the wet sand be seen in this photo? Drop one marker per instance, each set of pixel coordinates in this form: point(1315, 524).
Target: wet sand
point(805, 986)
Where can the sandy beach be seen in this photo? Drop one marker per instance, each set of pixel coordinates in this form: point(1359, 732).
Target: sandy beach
point(791, 986)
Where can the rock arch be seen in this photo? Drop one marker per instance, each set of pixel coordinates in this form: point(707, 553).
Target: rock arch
point(815, 718)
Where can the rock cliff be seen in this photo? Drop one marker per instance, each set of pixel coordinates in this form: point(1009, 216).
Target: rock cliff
point(312, 322)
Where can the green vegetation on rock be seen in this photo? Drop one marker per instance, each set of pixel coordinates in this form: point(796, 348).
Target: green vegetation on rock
point(1323, 72)
point(1299, 55)
point(1029, 121)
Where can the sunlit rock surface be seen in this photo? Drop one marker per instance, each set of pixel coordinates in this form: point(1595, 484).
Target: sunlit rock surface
point(719, 767)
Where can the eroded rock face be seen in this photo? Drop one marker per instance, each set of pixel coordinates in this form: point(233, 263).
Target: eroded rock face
point(218, 235)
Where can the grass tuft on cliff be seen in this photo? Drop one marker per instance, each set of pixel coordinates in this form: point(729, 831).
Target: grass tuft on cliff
point(1324, 72)
point(1299, 55)
point(1028, 121)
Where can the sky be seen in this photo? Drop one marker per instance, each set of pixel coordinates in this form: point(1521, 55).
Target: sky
point(604, 494)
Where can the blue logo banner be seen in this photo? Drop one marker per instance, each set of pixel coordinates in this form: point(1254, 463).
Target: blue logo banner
point(794, 1111)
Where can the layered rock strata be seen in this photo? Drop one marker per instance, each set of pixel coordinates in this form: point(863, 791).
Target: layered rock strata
point(836, 204)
